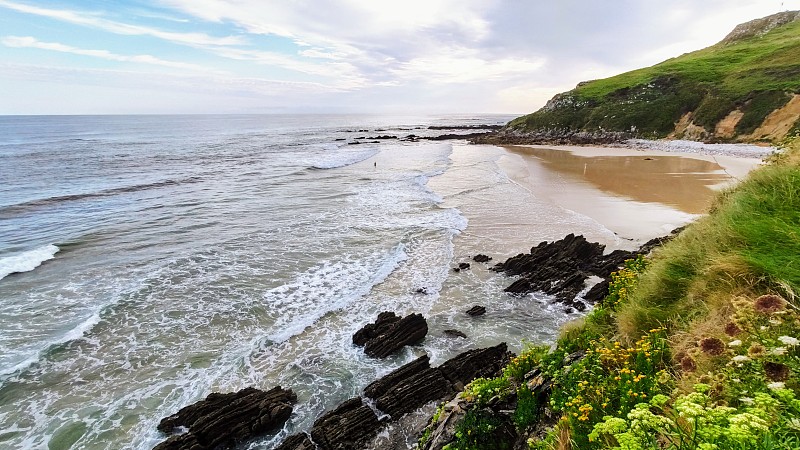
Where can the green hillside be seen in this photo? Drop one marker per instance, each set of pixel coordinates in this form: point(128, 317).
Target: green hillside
point(751, 73)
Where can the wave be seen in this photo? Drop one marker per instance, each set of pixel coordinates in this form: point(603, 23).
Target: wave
point(72, 335)
point(342, 158)
point(336, 283)
point(33, 204)
point(27, 261)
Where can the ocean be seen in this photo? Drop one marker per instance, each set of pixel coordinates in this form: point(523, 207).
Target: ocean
point(147, 261)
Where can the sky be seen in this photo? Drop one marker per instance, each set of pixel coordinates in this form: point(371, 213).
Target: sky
point(337, 56)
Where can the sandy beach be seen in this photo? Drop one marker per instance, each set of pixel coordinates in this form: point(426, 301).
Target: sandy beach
point(637, 194)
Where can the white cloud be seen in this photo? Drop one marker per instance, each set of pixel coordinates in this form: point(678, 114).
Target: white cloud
point(30, 42)
point(95, 21)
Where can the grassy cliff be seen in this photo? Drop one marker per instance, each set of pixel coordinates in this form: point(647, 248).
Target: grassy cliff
point(726, 92)
point(695, 347)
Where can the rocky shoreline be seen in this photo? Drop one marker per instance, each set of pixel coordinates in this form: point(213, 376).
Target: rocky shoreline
point(508, 136)
point(560, 269)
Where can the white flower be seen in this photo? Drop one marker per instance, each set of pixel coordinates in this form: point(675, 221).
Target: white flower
point(776, 385)
point(740, 358)
point(763, 328)
point(735, 343)
point(779, 351)
point(788, 340)
point(794, 423)
point(746, 400)
point(775, 322)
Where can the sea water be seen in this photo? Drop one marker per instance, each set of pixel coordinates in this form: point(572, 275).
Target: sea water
point(147, 261)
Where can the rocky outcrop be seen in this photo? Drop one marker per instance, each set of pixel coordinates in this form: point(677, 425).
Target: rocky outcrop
point(561, 268)
point(484, 362)
point(390, 333)
point(223, 420)
point(408, 388)
point(551, 136)
point(353, 423)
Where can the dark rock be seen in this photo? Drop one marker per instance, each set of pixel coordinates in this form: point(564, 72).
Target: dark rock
point(228, 419)
point(476, 310)
point(452, 136)
point(340, 139)
point(372, 330)
point(422, 290)
point(455, 333)
point(481, 258)
point(465, 127)
point(579, 305)
point(472, 364)
point(461, 266)
point(561, 268)
point(354, 143)
point(598, 292)
point(350, 426)
point(300, 441)
point(382, 137)
point(409, 330)
point(414, 392)
point(648, 159)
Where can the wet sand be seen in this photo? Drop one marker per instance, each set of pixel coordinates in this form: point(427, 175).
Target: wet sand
point(636, 194)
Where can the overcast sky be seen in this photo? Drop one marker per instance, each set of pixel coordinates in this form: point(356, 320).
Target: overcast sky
point(319, 56)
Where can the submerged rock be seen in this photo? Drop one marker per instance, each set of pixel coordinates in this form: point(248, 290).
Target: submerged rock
point(225, 420)
point(454, 333)
point(476, 311)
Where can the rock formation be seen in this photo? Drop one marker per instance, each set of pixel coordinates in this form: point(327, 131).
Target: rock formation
point(390, 333)
point(225, 420)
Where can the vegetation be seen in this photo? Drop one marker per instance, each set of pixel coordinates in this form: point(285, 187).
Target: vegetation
point(695, 348)
point(755, 74)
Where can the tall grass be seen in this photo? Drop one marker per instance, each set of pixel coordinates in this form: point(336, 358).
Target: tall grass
point(750, 242)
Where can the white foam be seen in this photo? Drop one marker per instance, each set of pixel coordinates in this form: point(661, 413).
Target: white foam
point(75, 333)
point(343, 157)
point(336, 283)
point(26, 261)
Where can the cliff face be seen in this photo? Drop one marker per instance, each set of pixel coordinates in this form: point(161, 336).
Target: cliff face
point(746, 88)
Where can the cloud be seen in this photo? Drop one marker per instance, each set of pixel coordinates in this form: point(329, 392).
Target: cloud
point(95, 21)
point(30, 42)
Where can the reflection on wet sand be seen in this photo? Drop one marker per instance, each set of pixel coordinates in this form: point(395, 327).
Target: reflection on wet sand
point(680, 182)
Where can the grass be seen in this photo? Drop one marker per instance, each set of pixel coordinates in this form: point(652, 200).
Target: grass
point(753, 74)
point(694, 348)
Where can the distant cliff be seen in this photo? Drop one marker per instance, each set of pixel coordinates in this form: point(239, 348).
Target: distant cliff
point(746, 88)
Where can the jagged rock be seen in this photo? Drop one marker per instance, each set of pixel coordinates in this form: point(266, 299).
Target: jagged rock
point(350, 426)
point(455, 333)
point(353, 424)
point(422, 290)
point(393, 336)
point(414, 392)
point(299, 441)
point(227, 419)
point(481, 258)
point(561, 268)
point(372, 330)
point(476, 311)
point(388, 381)
point(472, 364)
